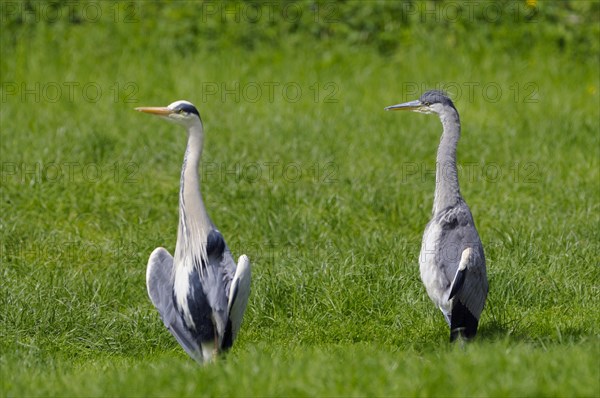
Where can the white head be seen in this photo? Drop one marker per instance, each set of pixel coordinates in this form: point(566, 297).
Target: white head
point(180, 112)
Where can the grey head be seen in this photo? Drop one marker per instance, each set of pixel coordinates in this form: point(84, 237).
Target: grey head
point(180, 112)
point(433, 101)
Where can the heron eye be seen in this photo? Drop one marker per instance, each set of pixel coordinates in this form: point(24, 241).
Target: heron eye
point(427, 103)
point(180, 111)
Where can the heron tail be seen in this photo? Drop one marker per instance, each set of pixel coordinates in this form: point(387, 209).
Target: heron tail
point(462, 322)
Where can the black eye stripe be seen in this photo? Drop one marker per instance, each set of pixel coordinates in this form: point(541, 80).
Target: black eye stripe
point(187, 109)
point(436, 97)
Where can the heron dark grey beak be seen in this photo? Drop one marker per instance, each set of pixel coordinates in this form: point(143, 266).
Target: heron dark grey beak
point(154, 110)
point(407, 106)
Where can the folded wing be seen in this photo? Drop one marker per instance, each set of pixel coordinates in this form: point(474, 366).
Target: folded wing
point(160, 289)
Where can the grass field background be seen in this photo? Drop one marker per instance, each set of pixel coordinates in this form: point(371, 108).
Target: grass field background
point(304, 172)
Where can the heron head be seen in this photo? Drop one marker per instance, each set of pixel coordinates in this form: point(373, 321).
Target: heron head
point(180, 112)
point(433, 101)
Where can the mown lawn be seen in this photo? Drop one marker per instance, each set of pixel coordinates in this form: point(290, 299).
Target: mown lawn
point(326, 193)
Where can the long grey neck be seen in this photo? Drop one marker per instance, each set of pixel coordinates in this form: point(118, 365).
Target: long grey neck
point(447, 191)
point(194, 222)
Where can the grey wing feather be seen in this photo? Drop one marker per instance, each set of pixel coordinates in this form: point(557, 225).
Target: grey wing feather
point(158, 280)
point(217, 278)
point(458, 282)
point(239, 293)
point(475, 286)
point(227, 286)
point(160, 290)
point(459, 233)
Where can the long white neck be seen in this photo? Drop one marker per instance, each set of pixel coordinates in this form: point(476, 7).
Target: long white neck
point(194, 222)
point(447, 190)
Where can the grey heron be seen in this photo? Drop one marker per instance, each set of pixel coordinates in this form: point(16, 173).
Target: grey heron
point(200, 293)
point(452, 261)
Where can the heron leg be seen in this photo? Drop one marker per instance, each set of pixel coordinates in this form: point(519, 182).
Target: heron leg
point(215, 337)
point(216, 342)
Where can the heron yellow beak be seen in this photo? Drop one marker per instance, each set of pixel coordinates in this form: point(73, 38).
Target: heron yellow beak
point(407, 106)
point(155, 110)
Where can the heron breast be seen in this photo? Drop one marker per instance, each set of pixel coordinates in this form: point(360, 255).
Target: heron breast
point(432, 275)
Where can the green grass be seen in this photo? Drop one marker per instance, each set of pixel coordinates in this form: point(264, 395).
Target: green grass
point(89, 188)
point(499, 368)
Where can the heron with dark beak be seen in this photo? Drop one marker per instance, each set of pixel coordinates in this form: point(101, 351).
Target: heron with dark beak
point(452, 262)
